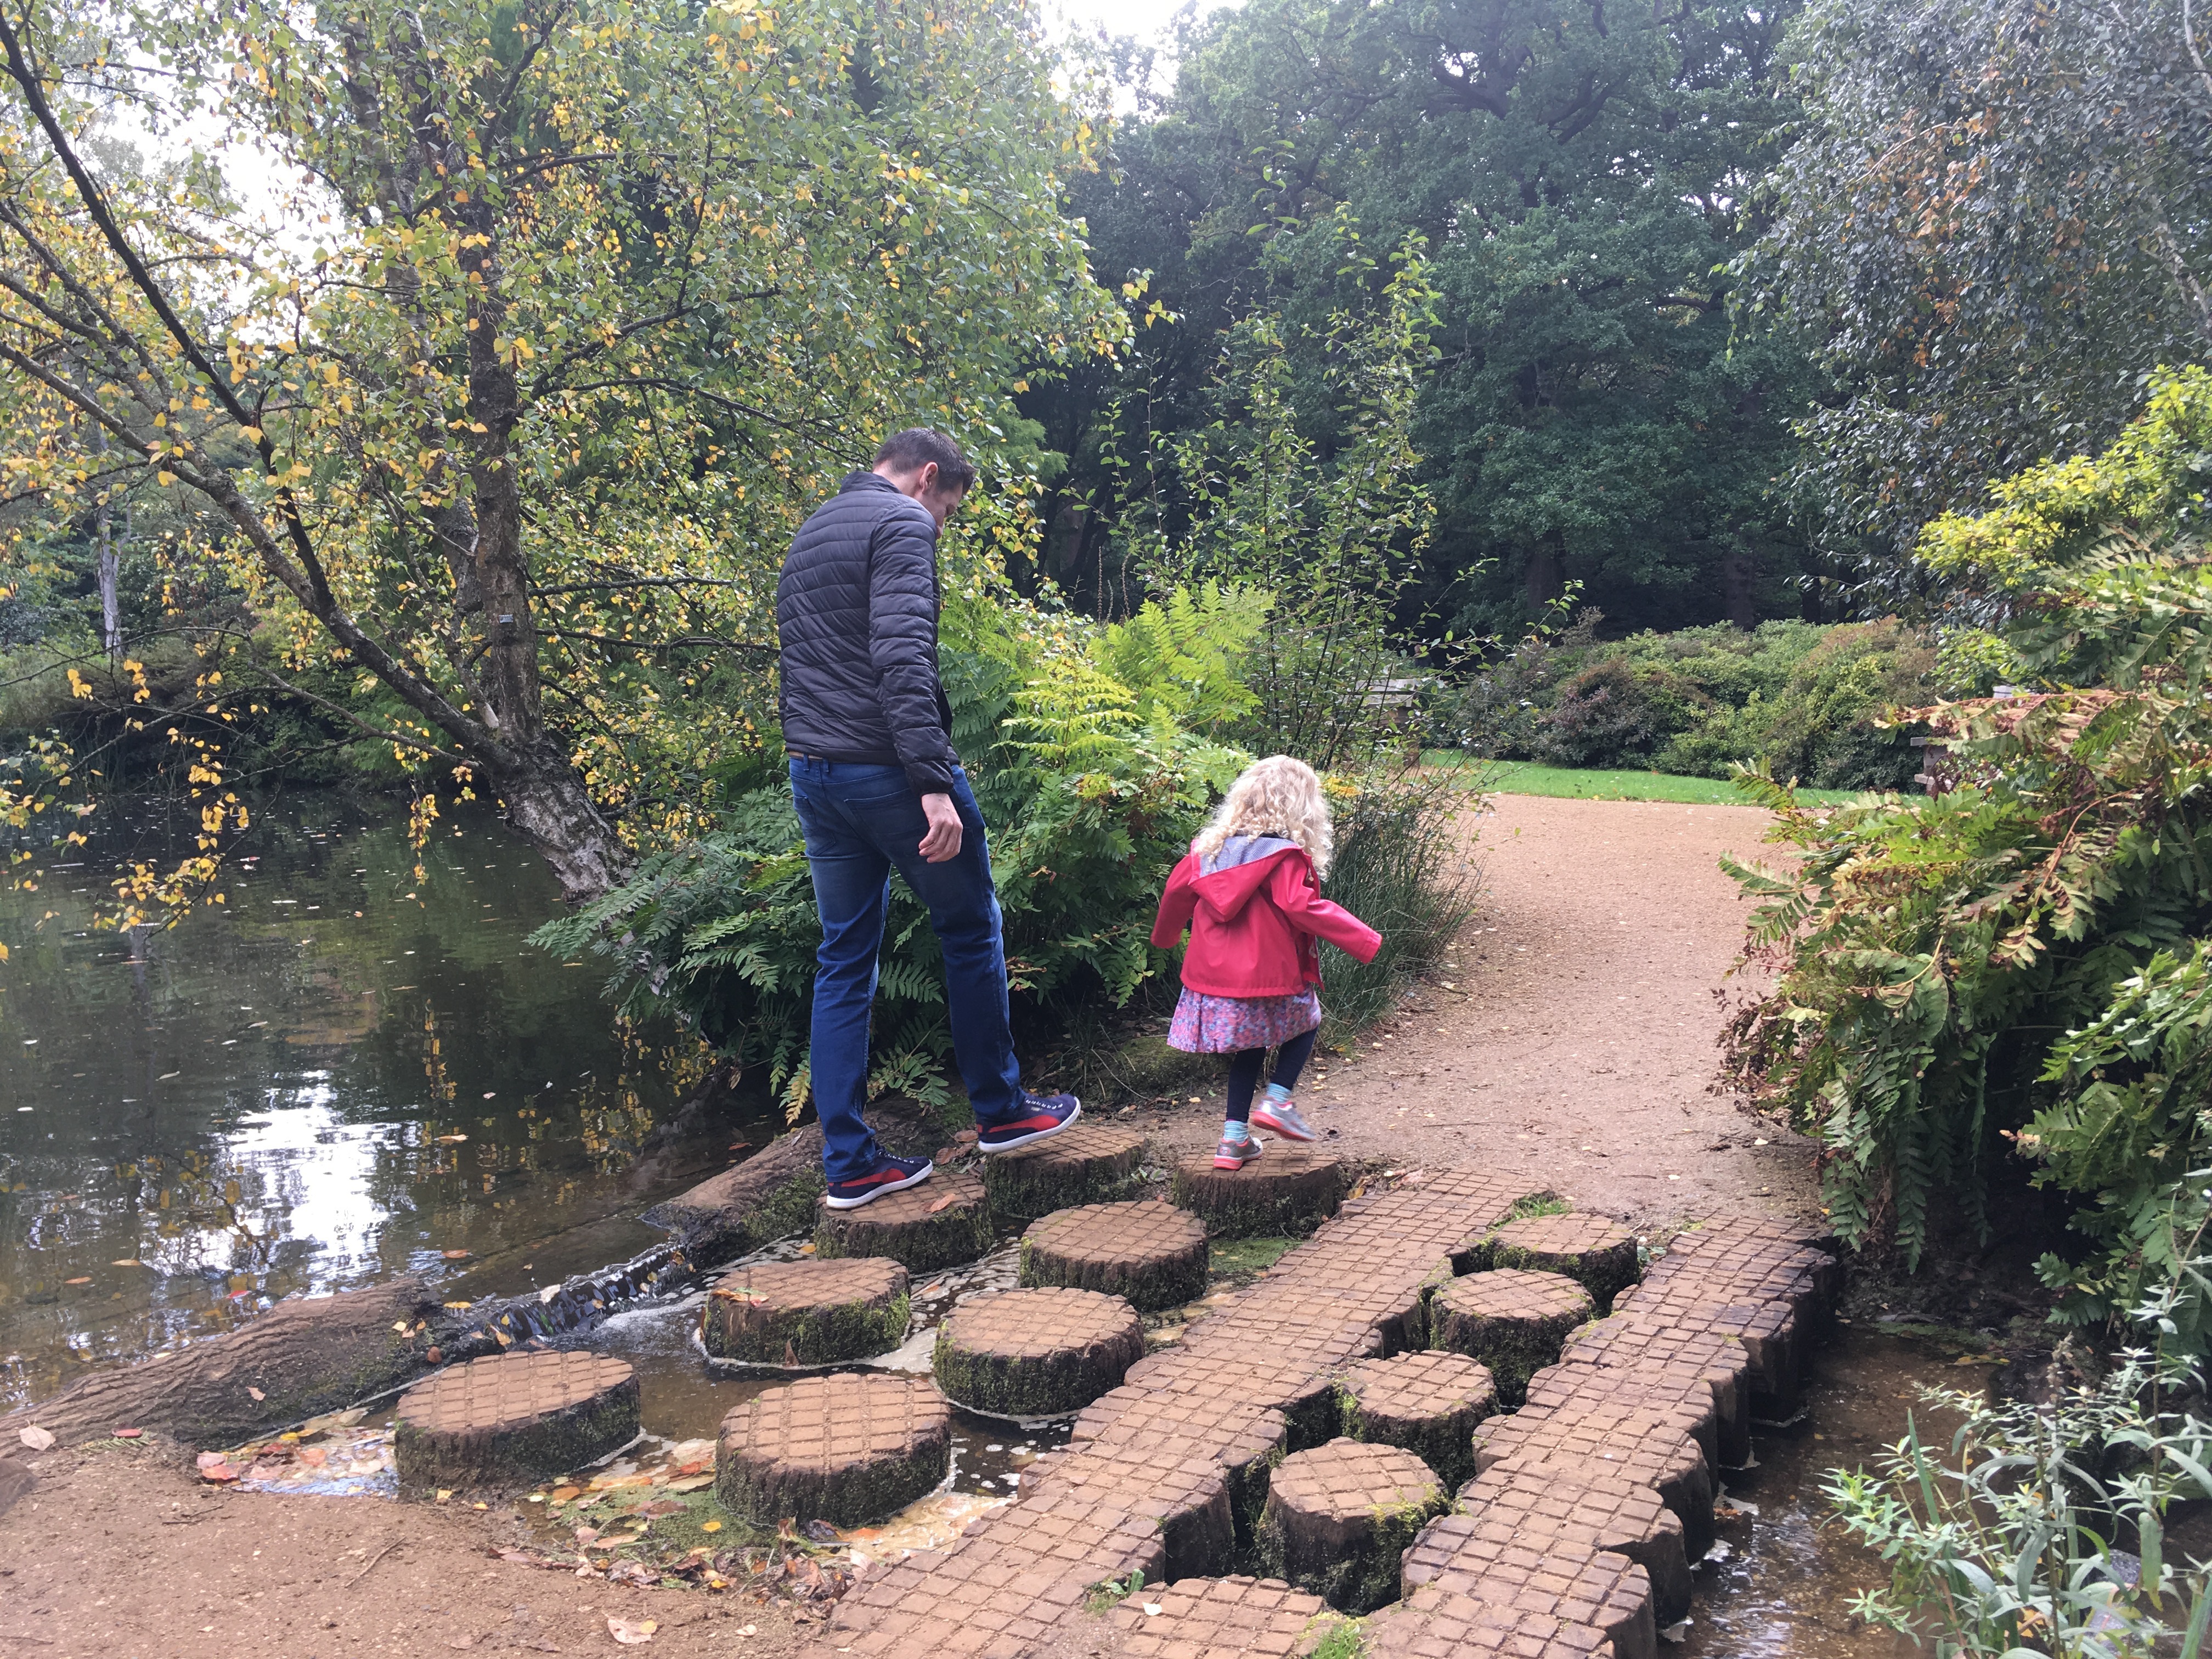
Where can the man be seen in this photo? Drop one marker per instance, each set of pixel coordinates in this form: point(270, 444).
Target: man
point(879, 788)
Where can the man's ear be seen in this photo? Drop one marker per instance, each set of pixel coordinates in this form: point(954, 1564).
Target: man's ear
point(926, 480)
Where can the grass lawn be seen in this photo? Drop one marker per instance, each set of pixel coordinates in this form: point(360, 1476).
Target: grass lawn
point(1527, 778)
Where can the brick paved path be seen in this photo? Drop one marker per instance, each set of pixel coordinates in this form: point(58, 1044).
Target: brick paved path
point(1167, 1475)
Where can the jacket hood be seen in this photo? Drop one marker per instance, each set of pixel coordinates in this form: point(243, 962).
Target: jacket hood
point(1227, 879)
point(864, 480)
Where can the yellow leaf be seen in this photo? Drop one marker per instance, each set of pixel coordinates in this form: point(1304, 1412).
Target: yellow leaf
point(166, 478)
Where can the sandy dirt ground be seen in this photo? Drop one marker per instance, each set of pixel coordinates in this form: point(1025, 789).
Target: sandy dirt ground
point(1574, 1039)
point(1571, 1041)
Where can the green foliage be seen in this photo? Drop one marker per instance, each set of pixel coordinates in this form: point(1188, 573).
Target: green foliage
point(1995, 221)
point(2009, 1548)
point(1333, 537)
point(1578, 172)
point(2016, 960)
point(1801, 700)
point(1091, 793)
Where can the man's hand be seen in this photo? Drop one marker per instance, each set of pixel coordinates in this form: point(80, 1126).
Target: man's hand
point(943, 841)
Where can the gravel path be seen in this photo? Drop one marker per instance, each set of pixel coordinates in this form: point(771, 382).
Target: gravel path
point(1574, 1039)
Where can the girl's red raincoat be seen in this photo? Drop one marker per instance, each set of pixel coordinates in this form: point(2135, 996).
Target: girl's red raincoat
point(1253, 920)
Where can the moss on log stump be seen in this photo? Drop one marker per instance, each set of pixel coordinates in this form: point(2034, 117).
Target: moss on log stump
point(1222, 1619)
point(1338, 1517)
point(806, 1313)
point(1598, 1255)
point(1427, 1403)
point(1559, 1574)
point(1034, 1353)
point(1515, 1321)
point(1089, 1164)
point(513, 1419)
point(944, 1223)
point(848, 1448)
point(1594, 1504)
point(1286, 1192)
point(1151, 1255)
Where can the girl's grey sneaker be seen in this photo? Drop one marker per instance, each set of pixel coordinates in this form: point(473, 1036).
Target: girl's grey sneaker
point(1282, 1116)
point(1236, 1154)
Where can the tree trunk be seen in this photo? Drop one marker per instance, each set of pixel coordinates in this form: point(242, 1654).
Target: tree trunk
point(547, 802)
point(1739, 574)
point(1543, 581)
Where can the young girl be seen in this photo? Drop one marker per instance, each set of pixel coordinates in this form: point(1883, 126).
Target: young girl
point(1250, 891)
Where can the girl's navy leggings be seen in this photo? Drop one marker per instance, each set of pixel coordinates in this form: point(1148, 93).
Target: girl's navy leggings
point(1244, 1071)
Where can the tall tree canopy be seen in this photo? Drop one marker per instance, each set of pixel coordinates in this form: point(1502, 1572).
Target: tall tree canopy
point(494, 427)
point(1579, 172)
point(1995, 223)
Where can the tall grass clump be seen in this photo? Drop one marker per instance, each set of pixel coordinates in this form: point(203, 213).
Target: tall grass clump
point(1402, 867)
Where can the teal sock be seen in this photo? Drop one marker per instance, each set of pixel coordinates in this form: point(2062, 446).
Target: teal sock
point(1276, 1093)
point(1235, 1131)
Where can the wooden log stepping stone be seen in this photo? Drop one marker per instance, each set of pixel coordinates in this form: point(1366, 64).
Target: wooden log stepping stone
point(1598, 1255)
point(1686, 1401)
point(1434, 1621)
point(1512, 1320)
point(1594, 1503)
point(1287, 1192)
point(514, 1419)
point(849, 1448)
point(944, 1223)
point(1036, 1353)
point(1556, 1574)
point(1089, 1164)
point(1638, 1343)
point(1339, 1517)
point(806, 1313)
point(1427, 1403)
point(1646, 1446)
point(1151, 1255)
point(1222, 1619)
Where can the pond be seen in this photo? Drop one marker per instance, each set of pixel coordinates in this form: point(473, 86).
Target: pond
point(340, 1073)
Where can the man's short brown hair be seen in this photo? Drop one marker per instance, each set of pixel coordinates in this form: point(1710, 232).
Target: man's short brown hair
point(915, 447)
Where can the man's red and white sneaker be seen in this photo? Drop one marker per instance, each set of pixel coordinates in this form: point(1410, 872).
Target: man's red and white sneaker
point(893, 1175)
point(1042, 1116)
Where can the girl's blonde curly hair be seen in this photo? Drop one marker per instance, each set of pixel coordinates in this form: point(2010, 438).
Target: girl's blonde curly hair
point(1277, 796)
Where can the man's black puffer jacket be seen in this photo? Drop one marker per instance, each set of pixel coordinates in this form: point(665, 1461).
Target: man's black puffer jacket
point(856, 610)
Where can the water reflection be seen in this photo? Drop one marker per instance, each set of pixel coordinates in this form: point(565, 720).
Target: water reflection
point(339, 1073)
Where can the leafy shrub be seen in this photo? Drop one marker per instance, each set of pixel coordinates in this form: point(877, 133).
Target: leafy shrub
point(1092, 792)
point(1602, 716)
point(1804, 701)
point(2021, 962)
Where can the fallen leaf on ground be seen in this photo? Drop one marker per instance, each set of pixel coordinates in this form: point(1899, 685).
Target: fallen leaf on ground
point(128, 1261)
point(691, 1483)
point(563, 1494)
point(77, 1281)
point(448, 1141)
point(256, 1394)
point(710, 1526)
point(36, 1438)
point(660, 1506)
point(932, 1288)
point(455, 1256)
point(945, 1202)
point(631, 1631)
point(806, 1249)
point(129, 1434)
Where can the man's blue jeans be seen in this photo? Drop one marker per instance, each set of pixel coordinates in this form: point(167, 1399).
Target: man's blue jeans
point(861, 823)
